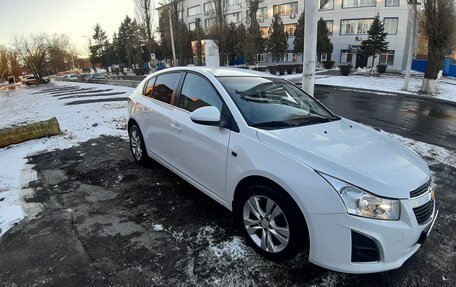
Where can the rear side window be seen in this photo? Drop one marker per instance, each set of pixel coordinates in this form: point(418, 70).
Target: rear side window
point(164, 87)
point(149, 87)
point(197, 92)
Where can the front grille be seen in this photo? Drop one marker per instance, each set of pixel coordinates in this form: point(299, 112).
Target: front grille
point(364, 249)
point(423, 212)
point(420, 190)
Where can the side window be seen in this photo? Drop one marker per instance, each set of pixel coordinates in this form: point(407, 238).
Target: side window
point(164, 87)
point(197, 92)
point(149, 87)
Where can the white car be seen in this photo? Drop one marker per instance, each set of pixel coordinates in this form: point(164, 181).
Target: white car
point(294, 174)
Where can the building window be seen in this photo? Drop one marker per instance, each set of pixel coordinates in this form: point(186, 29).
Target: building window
point(264, 32)
point(326, 4)
point(195, 10)
point(262, 12)
point(346, 56)
point(390, 25)
point(355, 26)
point(286, 9)
point(233, 17)
point(290, 29)
point(287, 57)
point(232, 2)
point(262, 57)
point(358, 3)
point(389, 3)
point(387, 58)
point(209, 22)
point(209, 7)
point(329, 26)
point(324, 57)
point(191, 26)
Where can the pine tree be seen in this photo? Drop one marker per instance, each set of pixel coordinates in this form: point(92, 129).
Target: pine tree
point(98, 51)
point(376, 41)
point(254, 38)
point(324, 45)
point(298, 41)
point(277, 42)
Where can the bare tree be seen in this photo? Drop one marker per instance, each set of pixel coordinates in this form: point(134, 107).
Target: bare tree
point(145, 12)
point(440, 29)
point(33, 52)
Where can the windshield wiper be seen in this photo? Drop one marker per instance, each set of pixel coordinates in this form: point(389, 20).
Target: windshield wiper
point(312, 120)
point(274, 124)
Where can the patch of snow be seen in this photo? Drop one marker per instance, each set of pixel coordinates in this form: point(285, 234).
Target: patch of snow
point(22, 106)
point(233, 248)
point(157, 227)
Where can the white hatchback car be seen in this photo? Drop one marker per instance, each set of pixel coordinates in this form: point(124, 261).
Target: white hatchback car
point(294, 174)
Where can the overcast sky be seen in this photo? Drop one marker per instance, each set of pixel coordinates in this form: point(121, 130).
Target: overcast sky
point(75, 18)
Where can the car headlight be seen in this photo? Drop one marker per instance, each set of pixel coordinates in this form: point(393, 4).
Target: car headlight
point(362, 203)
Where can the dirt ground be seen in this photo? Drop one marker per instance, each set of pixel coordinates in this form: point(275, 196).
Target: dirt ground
point(109, 221)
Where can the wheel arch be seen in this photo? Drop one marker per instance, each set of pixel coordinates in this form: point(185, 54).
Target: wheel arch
point(261, 180)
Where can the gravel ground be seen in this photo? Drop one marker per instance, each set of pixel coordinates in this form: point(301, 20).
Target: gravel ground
point(109, 221)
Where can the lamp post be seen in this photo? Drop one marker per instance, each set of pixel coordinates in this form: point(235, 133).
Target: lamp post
point(171, 32)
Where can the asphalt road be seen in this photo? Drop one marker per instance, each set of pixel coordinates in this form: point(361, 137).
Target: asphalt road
point(422, 120)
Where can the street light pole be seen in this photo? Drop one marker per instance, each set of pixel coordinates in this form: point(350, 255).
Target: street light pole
point(172, 36)
point(411, 44)
point(310, 46)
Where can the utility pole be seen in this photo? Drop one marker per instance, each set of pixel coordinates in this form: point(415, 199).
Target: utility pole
point(411, 44)
point(310, 46)
point(172, 36)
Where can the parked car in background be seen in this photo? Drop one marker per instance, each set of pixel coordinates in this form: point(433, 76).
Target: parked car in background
point(31, 80)
point(84, 77)
point(71, 77)
point(97, 76)
point(295, 175)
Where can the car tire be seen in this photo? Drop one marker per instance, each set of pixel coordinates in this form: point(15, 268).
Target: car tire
point(271, 222)
point(137, 146)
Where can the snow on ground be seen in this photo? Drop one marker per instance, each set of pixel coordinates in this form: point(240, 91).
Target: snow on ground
point(78, 123)
point(383, 83)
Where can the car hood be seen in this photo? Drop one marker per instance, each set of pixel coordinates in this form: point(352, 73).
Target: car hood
point(354, 153)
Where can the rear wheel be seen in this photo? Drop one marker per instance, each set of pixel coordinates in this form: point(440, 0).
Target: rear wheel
point(137, 146)
point(272, 224)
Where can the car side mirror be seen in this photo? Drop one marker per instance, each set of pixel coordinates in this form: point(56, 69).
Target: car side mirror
point(209, 116)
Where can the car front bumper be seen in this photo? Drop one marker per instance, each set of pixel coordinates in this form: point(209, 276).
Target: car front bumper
point(332, 239)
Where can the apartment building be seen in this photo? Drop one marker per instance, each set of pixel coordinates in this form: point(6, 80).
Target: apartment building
point(347, 20)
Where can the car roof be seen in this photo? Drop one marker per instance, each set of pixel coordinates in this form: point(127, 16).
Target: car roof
point(224, 72)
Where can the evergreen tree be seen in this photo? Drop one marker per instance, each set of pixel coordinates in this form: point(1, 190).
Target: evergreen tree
point(232, 42)
point(376, 41)
point(277, 41)
point(99, 48)
point(298, 41)
point(255, 42)
point(324, 45)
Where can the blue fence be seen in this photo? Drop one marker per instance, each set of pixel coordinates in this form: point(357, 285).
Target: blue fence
point(448, 68)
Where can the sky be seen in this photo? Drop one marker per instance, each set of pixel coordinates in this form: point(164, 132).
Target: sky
point(76, 18)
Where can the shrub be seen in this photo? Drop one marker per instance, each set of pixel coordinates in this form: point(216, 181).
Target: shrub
point(345, 69)
point(328, 64)
point(273, 69)
point(381, 68)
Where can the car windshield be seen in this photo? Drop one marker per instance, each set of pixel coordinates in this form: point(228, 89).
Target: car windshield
point(271, 103)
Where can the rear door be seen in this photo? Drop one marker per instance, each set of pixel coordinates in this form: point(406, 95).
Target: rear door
point(158, 97)
point(199, 151)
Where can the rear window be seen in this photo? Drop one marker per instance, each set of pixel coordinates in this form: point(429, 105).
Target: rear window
point(164, 87)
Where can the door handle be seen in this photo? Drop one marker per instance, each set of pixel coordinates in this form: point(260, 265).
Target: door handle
point(176, 127)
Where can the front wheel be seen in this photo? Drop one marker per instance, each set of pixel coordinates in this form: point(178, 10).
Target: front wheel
point(272, 224)
point(137, 146)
